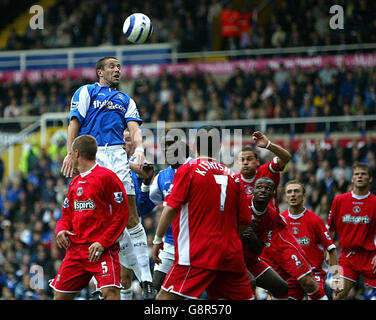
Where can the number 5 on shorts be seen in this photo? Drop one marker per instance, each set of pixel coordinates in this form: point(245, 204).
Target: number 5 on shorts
point(104, 267)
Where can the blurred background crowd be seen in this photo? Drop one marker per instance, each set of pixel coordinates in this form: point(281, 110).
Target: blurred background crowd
point(194, 25)
point(280, 93)
point(30, 201)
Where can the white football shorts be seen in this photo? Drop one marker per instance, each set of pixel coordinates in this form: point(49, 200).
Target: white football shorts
point(167, 255)
point(115, 158)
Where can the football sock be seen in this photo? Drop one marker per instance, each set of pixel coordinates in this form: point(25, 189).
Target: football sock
point(126, 294)
point(141, 250)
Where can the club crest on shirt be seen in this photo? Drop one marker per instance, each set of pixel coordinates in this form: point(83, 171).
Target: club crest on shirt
point(295, 230)
point(118, 197)
point(80, 191)
point(248, 189)
point(356, 209)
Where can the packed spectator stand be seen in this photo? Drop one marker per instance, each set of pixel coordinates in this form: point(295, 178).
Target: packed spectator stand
point(30, 202)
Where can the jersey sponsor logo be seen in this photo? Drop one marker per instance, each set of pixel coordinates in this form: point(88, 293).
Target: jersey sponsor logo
point(84, 205)
point(303, 241)
point(108, 105)
point(356, 209)
point(356, 220)
point(118, 197)
point(168, 182)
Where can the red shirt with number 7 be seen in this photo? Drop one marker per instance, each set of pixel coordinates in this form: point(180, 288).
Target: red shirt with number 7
point(211, 205)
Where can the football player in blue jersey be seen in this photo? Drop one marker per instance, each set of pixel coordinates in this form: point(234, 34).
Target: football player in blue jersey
point(141, 181)
point(102, 111)
point(159, 189)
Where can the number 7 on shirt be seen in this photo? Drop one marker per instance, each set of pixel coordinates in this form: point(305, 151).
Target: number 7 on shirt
point(222, 180)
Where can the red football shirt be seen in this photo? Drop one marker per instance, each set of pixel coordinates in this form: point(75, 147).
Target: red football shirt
point(210, 205)
point(271, 170)
point(354, 219)
point(267, 223)
point(312, 235)
point(96, 208)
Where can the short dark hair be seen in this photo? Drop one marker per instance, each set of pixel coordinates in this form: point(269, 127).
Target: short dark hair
point(208, 141)
point(267, 179)
point(296, 182)
point(363, 166)
point(249, 148)
point(86, 145)
point(100, 64)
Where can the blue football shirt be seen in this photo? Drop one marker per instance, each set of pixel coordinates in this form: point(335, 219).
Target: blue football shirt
point(103, 113)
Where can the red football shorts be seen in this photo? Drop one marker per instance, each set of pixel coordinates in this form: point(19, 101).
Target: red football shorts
point(76, 270)
point(254, 264)
point(286, 257)
point(296, 291)
point(358, 262)
point(190, 282)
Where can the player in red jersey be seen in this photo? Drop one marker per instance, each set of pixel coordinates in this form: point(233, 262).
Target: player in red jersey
point(353, 218)
point(251, 169)
point(94, 215)
point(285, 254)
point(206, 207)
point(264, 219)
point(312, 235)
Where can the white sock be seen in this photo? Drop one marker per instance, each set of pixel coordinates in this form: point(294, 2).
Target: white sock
point(141, 250)
point(126, 294)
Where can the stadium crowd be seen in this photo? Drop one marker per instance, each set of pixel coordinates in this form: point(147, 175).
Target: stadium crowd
point(269, 94)
point(189, 24)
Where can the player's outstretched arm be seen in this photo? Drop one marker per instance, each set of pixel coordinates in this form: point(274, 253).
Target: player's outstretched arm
point(262, 141)
point(73, 128)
